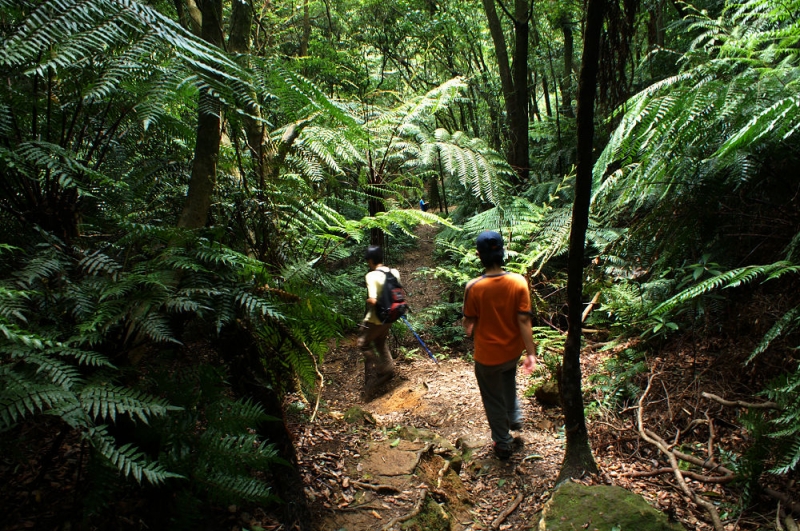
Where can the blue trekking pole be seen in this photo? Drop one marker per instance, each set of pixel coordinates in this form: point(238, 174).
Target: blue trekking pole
point(421, 342)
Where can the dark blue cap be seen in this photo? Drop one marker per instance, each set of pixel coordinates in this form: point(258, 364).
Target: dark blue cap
point(490, 242)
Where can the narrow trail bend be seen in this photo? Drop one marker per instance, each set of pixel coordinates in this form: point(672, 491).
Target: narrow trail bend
point(368, 465)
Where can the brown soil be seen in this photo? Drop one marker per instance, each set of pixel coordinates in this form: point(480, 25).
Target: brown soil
point(443, 398)
point(365, 475)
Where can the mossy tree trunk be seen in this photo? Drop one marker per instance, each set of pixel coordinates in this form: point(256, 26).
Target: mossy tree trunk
point(578, 459)
point(206, 151)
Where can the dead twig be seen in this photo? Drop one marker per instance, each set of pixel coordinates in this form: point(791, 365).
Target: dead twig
point(659, 443)
point(414, 512)
point(740, 403)
point(508, 510)
point(376, 488)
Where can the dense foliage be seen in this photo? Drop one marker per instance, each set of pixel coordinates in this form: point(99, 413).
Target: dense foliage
point(164, 352)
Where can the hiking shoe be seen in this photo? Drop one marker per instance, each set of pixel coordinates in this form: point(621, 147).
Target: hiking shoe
point(503, 451)
point(516, 426)
point(371, 389)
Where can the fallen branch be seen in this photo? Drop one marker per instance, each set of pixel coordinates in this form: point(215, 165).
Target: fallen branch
point(589, 307)
point(659, 443)
point(687, 473)
point(376, 488)
point(508, 510)
point(321, 383)
point(414, 512)
point(705, 463)
point(783, 498)
point(740, 403)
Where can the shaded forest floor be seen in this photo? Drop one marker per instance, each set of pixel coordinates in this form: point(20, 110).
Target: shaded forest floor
point(365, 464)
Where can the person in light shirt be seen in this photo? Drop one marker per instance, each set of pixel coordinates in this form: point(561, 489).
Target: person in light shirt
point(373, 334)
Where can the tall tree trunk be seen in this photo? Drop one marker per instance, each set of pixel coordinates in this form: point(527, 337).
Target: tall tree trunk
point(306, 36)
point(520, 116)
point(566, 80)
point(255, 134)
point(206, 149)
point(578, 459)
point(513, 82)
point(546, 90)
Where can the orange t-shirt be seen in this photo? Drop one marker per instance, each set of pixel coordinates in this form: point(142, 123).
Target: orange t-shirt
point(496, 301)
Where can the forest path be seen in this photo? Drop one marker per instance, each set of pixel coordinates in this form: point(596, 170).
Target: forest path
point(344, 454)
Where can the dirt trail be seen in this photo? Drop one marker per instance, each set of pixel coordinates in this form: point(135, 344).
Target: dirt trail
point(343, 459)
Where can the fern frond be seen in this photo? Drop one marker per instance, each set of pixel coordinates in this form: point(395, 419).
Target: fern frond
point(106, 401)
point(127, 458)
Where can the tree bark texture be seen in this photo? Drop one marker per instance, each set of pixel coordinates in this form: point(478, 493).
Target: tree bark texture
point(206, 150)
point(578, 458)
point(519, 116)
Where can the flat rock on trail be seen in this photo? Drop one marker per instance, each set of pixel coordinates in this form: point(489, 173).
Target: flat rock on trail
point(363, 471)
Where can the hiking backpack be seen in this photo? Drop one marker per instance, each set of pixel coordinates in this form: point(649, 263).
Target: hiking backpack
point(391, 304)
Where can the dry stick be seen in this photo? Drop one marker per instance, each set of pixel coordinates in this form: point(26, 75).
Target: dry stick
point(662, 445)
point(321, 383)
point(762, 405)
point(414, 512)
point(376, 488)
point(590, 306)
point(687, 473)
point(508, 510)
point(711, 435)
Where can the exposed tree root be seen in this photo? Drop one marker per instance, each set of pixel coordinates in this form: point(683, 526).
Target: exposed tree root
point(658, 442)
point(508, 510)
point(442, 472)
point(739, 403)
point(414, 512)
point(783, 498)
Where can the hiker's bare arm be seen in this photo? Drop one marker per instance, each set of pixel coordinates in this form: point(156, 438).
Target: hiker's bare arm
point(524, 322)
point(372, 301)
point(469, 325)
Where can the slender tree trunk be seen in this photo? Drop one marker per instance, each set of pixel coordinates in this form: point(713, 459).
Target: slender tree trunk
point(513, 82)
point(546, 91)
point(206, 151)
point(566, 80)
point(306, 30)
point(255, 135)
point(520, 116)
point(578, 459)
point(533, 97)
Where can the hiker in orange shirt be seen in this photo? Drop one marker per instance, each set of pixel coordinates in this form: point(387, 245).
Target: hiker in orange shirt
point(497, 312)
